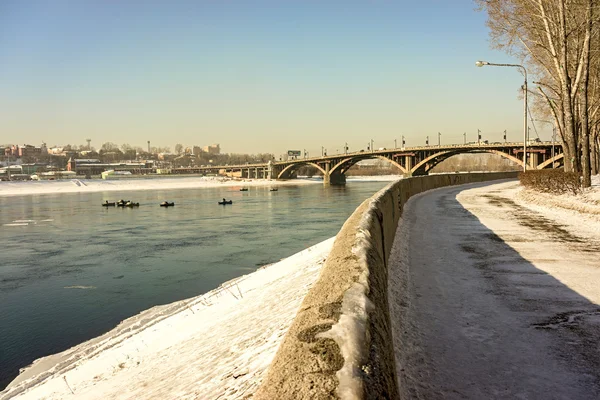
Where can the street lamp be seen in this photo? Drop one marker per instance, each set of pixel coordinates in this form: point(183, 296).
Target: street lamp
point(439, 139)
point(481, 64)
point(465, 137)
point(478, 137)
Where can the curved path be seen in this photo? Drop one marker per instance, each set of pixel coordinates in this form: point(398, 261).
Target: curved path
point(493, 298)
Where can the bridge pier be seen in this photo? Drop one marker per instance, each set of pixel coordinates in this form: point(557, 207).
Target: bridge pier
point(335, 178)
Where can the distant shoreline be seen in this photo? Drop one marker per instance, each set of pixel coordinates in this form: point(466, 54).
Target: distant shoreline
point(20, 188)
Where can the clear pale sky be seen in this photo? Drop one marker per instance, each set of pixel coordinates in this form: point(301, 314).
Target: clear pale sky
point(254, 76)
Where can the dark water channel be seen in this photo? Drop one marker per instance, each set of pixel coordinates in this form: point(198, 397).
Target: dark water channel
point(71, 270)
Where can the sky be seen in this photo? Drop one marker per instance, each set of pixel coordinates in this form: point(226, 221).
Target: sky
point(253, 76)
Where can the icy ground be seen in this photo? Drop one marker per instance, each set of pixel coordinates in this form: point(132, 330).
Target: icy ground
point(99, 185)
point(217, 345)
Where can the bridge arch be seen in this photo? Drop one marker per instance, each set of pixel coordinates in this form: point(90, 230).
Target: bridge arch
point(550, 161)
point(438, 157)
point(348, 162)
point(292, 167)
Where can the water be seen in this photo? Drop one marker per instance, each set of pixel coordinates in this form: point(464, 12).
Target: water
point(71, 270)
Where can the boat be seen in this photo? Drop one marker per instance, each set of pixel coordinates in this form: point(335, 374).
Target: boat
point(243, 189)
point(107, 204)
point(225, 202)
point(273, 189)
point(167, 204)
point(121, 203)
point(130, 204)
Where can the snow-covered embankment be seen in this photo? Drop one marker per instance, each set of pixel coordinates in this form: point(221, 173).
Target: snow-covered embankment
point(217, 345)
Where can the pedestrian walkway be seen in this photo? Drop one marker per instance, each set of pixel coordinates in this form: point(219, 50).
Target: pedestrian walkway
point(491, 298)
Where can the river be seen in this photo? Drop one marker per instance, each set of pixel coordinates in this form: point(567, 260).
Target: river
point(71, 270)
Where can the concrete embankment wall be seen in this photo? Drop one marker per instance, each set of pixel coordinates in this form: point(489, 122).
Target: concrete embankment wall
point(340, 343)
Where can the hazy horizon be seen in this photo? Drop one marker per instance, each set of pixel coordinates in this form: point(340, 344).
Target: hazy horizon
point(262, 77)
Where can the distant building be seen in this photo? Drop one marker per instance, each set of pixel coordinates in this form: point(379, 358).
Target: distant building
point(96, 167)
point(212, 149)
point(25, 150)
point(196, 150)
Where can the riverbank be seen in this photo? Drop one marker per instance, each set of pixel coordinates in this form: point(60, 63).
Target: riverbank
point(218, 344)
point(21, 188)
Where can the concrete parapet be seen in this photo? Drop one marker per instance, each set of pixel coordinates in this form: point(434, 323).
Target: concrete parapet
point(340, 345)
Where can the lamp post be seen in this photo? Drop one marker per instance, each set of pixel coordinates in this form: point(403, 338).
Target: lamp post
point(346, 148)
point(465, 137)
point(427, 141)
point(439, 139)
point(478, 137)
point(372, 149)
point(403, 142)
point(322, 149)
point(395, 145)
point(481, 64)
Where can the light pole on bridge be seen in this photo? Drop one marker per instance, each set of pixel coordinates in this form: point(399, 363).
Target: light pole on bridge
point(346, 148)
point(427, 141)
point(478, 137)
point(465, 137)
point(439, 139)
point(481, 64)
point(395, 145)
point(403, 141)
point(372, 149)
point(322, 150)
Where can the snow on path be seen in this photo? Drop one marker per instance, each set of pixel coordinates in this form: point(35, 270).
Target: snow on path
point(216, 345)
point(492, 297)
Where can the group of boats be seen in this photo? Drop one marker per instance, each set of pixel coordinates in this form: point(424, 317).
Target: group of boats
point(120, 203)
point(128, 203)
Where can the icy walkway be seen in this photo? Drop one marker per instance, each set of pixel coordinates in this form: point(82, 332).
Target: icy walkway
point(214, 346)
point(493, 297)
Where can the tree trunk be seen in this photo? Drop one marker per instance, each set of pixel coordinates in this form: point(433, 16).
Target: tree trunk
point(585, 133)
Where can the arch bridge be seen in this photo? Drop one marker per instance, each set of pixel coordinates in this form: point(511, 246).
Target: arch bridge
point(411, 161)
point(416, 161)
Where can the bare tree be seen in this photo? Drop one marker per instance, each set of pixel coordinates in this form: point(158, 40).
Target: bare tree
point(553, 38)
